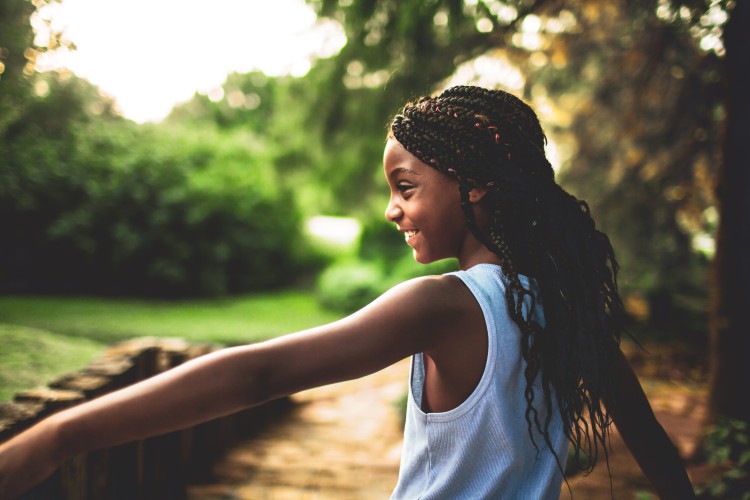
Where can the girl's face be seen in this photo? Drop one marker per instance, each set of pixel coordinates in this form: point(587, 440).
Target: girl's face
point(425, 205)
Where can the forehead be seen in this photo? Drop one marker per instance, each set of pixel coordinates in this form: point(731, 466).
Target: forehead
point(396, 159)
point(398, 162)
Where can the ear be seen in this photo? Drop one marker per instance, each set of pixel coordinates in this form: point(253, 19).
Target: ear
point(476, 194)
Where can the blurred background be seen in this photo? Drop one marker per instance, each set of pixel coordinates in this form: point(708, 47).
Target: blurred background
point(215, 173)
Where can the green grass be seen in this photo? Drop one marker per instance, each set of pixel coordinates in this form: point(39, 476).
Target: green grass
point(44, 337)
point(31, 357)
point(227, 321)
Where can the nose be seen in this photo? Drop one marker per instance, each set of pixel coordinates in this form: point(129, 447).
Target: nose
point(393, 211)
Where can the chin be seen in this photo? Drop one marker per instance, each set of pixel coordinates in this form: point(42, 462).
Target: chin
point(418, 258)
point(423, 259)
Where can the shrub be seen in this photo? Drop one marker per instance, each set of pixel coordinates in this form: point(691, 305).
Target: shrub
point(728, 446)
point(382, 245)
point(144, 210)
point(346, 287)
point(383, 260)
point(407, 268)
point(380, 242)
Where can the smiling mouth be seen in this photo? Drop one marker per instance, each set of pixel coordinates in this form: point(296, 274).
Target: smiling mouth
point(410, 234)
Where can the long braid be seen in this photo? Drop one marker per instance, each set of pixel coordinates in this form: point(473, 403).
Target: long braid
point(492, 139)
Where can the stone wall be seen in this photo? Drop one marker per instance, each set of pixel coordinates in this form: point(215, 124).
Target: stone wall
point(154, 468)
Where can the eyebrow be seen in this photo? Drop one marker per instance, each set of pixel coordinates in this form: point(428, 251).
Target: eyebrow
point(402, 170)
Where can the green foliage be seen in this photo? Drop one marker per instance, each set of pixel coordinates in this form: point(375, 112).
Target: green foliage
point(346, 287)
point(16, 36)
point(383, 260)
point(395, 51)
point(250, 102)
point(112, 207)
point(728, 445)
point(19, 49)
point(380, 242)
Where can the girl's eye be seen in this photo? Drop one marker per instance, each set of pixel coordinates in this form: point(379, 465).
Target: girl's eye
point(404, 187)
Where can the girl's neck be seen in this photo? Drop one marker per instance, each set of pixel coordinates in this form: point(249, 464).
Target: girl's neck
point(477, 253)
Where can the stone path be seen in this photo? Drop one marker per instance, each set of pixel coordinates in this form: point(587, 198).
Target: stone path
point(344, 442)
point(341, 441)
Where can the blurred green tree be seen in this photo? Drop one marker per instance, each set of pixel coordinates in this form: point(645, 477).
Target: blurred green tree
point(15, 38)
point(18, 53)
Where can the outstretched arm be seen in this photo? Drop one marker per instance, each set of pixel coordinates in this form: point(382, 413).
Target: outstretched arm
point(646, 438)
point(408, 319)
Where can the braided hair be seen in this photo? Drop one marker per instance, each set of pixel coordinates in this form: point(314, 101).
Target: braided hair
point(492, 139)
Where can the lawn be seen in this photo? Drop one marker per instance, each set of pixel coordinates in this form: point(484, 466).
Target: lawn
point(30, 357)
point(43, 337)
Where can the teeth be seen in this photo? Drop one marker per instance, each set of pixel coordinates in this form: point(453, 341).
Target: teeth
point(409, 234)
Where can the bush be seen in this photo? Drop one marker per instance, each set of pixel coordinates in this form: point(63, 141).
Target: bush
point(407, 268)
point(380, 242)
point(346, 287)
point(144, 210)
point(728, 446)
point(383, 260)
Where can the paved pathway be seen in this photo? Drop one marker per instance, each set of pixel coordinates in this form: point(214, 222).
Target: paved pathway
point(341, 441)
point(344, 441)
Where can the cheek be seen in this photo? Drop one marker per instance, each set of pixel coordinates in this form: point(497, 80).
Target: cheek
point(451, 213)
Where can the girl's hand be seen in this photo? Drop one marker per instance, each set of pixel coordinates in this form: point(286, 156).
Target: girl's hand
point(28, 459)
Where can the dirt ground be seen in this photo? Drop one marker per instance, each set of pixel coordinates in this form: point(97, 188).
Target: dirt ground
point(344, 441)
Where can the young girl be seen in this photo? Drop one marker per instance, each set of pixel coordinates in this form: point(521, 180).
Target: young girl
point(514, 357)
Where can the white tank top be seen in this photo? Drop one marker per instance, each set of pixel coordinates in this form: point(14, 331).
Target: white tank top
point(482, 448)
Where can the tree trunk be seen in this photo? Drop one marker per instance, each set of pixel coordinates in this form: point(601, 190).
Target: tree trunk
point(730, 321)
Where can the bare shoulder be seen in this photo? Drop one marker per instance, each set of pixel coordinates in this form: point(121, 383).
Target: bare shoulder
point(412, 317)
point(423, 310)
point(434, 287)
point(433, 299)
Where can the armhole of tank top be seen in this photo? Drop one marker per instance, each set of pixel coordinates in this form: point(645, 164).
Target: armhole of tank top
point(489, 362)
point(490, 356)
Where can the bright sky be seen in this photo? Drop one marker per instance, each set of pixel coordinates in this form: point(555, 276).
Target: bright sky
point(152, 54)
